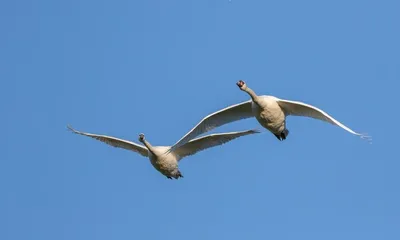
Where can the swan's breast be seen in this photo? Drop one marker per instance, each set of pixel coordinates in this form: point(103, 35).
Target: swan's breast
point(267, 107)
point(269, 114)
point(165, 163)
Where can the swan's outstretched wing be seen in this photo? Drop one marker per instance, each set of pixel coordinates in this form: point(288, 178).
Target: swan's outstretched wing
point(115, 142)
point(302, 109)
point(209, 141)
point(230, 114)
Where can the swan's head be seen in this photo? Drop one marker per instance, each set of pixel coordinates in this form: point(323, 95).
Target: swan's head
point(141, 137)
point(241, 84)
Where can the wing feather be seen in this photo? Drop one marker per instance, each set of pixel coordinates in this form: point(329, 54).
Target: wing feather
point(209, 141)
point(224, 116)
point(115, 142)
point(296, 108)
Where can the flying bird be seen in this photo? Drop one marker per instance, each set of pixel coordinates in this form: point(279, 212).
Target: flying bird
point(167, 164)
point(270, 112)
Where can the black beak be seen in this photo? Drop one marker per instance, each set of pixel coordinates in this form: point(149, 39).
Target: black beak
point(240, 84)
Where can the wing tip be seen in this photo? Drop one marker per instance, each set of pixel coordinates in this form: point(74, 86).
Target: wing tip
point(366, 137)
point(69, 127)
point(256, 130)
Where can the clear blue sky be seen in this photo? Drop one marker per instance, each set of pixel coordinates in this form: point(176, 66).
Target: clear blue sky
point(158, 67)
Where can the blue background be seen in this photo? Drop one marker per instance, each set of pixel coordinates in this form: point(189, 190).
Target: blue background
point(124, 67)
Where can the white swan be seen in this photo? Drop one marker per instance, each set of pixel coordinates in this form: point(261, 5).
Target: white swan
point(270, 112)
point(167, 164)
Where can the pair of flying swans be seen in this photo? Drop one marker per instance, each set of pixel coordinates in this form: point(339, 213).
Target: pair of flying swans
point(270, 112)
point(167, 164)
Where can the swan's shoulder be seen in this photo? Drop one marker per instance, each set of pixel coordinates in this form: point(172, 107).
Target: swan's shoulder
point(268, 97)
point(161, 149)
point(169, 160)
point(269, 100)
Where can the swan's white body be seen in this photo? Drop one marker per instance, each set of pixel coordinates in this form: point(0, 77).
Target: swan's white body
point(270, 112)
point(167, 163)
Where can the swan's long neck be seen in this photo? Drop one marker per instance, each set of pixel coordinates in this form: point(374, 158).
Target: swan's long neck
point(149, 146)
point(252, 94)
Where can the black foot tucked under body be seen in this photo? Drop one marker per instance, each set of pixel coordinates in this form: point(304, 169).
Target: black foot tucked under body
point(177, 175)
point(281, 136)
